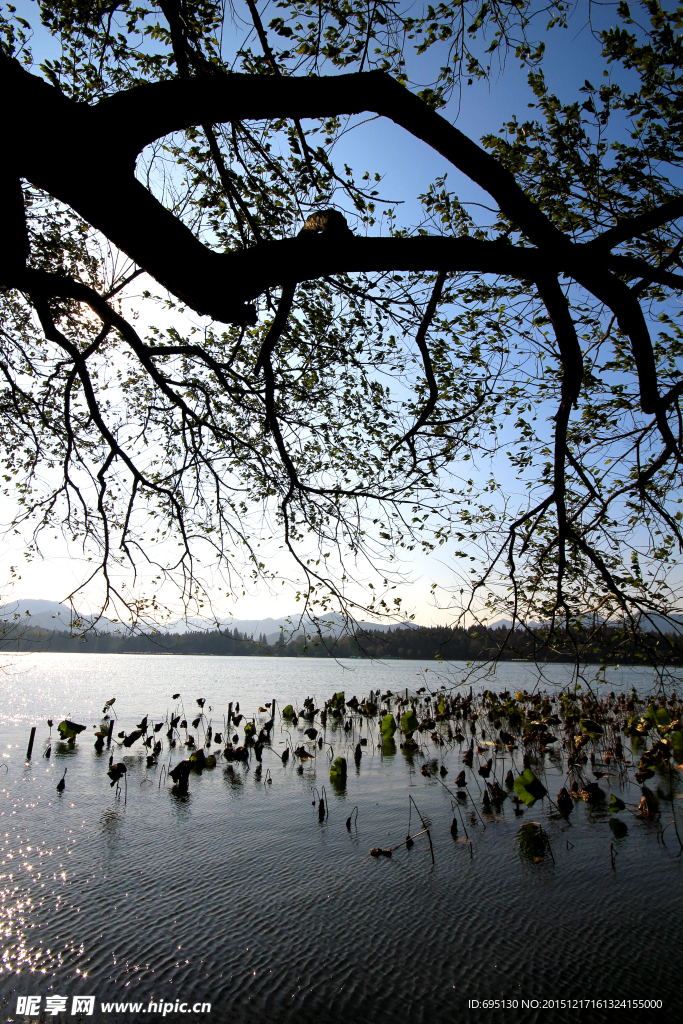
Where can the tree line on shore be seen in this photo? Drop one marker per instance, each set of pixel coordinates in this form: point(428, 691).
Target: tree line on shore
point(602, 643)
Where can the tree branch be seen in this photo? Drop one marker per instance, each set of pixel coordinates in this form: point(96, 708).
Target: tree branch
point(421, 342)
point(671, 210)
point(640, 268)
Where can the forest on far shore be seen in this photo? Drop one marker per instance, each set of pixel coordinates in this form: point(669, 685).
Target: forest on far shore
point(602, 644)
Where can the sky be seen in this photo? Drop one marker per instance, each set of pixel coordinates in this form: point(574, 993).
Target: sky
point(407, 167)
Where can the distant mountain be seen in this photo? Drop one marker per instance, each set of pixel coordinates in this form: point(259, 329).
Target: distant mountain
point(650, 622)
point(51, 615)
point(330, 625)
point(54, 615)
point(653, 623)
point(249, 627)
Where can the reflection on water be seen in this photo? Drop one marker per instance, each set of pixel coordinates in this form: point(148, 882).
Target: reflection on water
point(389, 748)
point(236, 893)
point(15, 909)
point(110, 822)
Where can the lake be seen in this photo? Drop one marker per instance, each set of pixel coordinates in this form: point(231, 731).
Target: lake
point(238, 896)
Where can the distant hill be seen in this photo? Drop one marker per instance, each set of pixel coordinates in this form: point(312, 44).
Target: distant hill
point(437, 643)
point(650, 622)
point(330, 625)
point(52, 615)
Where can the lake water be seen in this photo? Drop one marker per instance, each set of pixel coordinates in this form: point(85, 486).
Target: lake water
point(236, 895)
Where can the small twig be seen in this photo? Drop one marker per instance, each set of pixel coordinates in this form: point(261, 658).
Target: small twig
point(424, 825)
point(409, 839)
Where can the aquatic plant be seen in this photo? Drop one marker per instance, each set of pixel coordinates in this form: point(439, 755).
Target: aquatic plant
point(409, 722)
point(528, 788)
point(533, 842)
point(595, 742)
point(388, 726)
point(69, 730)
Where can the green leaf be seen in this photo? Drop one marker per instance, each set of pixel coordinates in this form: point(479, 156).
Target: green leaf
point(69, 730)
point(618, 827)
point(662, 721)
point(651, 714)
point(615, 804)
point(630, 728)
point(409, 722)
point(198, 759)
point(388, 726)
point(432, 97)
point(528, 788)
point(514, 717)
point(676, 740)
point(288, 712)
point(338, 769)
